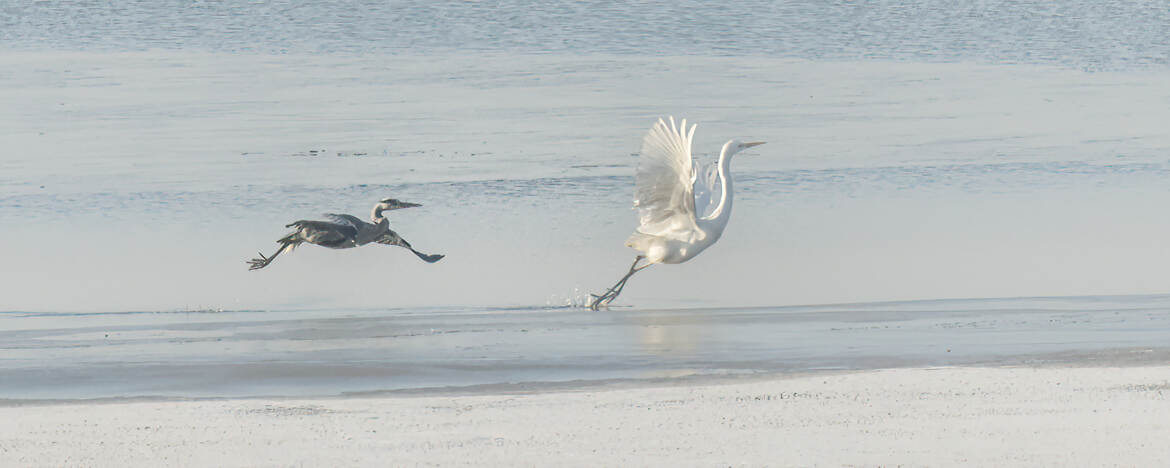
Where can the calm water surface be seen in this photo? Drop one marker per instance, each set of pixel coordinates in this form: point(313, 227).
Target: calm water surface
point(333, 352)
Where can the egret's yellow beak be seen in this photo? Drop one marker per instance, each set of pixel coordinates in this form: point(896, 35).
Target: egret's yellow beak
point(754, 143)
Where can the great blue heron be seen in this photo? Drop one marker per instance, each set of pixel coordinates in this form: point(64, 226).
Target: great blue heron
point(674, 224)
point(344, 232)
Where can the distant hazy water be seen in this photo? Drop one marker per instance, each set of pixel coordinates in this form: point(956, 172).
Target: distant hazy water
point(1082, 34)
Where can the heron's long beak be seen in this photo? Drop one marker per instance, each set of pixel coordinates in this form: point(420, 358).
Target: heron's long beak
point(392, 204)
point(754, 143)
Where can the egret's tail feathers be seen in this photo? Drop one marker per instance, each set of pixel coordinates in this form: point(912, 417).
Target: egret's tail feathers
point(639, 241)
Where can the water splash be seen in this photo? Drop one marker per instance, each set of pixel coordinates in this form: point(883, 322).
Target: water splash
point(578, 299)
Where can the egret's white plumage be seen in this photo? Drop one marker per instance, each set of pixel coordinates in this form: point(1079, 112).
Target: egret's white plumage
point(683, 206)
point(664, 184)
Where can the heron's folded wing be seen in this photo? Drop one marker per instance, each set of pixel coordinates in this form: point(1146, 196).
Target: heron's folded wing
point(392, 238)
point(664, 193)
point(324, 233)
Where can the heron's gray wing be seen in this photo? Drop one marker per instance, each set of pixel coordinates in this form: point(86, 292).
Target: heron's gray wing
point(664, 193)
point(392, 238)
point(346, 219)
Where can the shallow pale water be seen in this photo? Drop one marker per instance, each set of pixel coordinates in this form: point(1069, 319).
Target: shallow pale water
point(918, 150)
point(342, 351)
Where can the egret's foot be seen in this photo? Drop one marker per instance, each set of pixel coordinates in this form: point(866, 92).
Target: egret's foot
point(594, 302)
point(597, 302)
point(609, 295)
point(258, 263)
point(612, 293)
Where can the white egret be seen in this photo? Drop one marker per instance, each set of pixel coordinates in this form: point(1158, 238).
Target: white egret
point(678, 217)
point(346, 231)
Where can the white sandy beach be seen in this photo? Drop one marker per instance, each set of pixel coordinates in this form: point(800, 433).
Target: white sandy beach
point(1055, 416)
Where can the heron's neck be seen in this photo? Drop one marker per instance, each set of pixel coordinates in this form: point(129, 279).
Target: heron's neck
point(376, 215)
point(723, 210)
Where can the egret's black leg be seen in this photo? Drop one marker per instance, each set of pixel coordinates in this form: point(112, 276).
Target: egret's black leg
point(612, 293)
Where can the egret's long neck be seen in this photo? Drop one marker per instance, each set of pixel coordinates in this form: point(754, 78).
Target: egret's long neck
point(376, 215)
point(723, 210)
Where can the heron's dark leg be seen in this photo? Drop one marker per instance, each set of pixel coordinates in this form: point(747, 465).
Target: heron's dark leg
point(258, 263)
point(612, 293)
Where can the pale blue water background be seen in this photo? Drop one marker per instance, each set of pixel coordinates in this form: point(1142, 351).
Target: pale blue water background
point(917, 150)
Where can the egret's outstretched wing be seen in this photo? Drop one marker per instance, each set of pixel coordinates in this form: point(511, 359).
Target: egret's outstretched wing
point(665, 181)
point(706, 188)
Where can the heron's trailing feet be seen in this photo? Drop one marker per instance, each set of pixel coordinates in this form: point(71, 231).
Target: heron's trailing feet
point(258, 263)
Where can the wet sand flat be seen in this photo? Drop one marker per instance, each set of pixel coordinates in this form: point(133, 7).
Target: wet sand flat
point(1005, 416)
